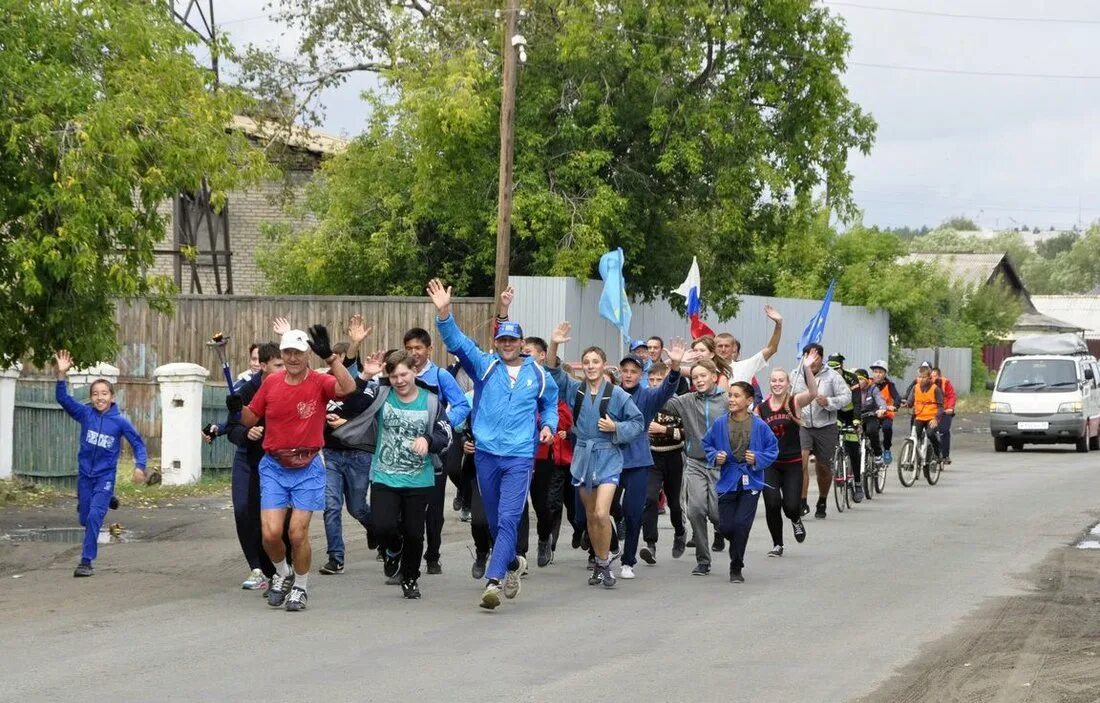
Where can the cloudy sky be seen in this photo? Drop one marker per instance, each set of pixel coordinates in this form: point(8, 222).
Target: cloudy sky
point(1000, 122)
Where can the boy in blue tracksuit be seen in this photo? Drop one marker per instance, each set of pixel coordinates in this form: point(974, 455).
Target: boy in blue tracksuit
point(512, 398)
point(101, 427)
point(743, 446)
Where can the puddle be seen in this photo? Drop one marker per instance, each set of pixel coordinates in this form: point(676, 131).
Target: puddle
point(72, 535)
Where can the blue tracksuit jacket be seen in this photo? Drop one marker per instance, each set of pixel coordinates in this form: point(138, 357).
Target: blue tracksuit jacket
point(99, 435)
point(762, 442)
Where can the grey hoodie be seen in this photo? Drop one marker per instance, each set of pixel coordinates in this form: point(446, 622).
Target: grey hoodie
point(829, 384)
point(698, 412)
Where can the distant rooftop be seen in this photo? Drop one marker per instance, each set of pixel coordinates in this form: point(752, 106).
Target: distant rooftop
point(310, 140)
point(969, 269)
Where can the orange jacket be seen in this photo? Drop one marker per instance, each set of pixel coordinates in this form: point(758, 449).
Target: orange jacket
point(927, 404)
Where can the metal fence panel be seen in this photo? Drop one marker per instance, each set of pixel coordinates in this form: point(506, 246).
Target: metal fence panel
point(954, 362)
point(219, 453)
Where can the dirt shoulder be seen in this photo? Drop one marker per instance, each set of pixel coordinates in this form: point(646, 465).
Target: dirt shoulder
point(1040, 646)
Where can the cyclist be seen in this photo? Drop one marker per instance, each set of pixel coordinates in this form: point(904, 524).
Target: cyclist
point(848, 421)
point(926, 400)
point(880, 373)
point(872, 409)
point(949, 400)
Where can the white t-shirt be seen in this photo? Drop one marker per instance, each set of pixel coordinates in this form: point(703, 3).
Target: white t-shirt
point(513, 372)
point(746, 369)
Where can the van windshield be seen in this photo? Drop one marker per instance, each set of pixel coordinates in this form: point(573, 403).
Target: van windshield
point(1038, 376)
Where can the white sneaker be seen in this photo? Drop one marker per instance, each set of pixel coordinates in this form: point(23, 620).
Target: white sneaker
point(627, 572)
point(255, 581)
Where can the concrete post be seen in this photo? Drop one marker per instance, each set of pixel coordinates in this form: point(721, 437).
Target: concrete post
point(180, 422)
point(8, 379)
point(83, 377)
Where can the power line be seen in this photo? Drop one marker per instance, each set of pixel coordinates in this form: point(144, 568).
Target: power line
point(952, 15)
point(988, 74)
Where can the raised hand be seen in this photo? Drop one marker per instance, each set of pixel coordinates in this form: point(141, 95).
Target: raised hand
point(357, 331)
point(440, 295)
point(506, 297)
point(64, 361)
point(319, 342)
point(679, 353)
point(560, 335)
point(773, 314)
point(811, 357)
point(280, 325)
point(373, 365)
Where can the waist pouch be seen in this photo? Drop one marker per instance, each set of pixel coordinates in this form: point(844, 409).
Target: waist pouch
point(294, 458)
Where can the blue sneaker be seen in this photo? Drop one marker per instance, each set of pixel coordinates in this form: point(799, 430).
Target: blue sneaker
point(887, 457)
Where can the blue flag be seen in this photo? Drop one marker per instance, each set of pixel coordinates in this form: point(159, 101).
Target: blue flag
point(614, 305)
point(816, 328)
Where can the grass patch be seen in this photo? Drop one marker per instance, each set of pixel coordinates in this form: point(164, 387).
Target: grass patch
point(975, 402)
point(24, 494)
point(213, 482)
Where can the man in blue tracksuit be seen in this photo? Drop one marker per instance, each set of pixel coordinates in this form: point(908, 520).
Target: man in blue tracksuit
point(102, 427)
point(512, 398)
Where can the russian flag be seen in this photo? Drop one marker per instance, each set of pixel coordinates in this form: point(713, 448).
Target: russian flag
point(692, 292)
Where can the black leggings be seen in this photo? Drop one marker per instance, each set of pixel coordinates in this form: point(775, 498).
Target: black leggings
point(548, 496)
point(398, 517)
point(479, 523)
point(783, 496)
point(668, 474)
point(933, 437)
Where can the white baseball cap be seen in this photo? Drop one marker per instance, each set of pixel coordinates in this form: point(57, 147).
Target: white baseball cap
point(294, 339)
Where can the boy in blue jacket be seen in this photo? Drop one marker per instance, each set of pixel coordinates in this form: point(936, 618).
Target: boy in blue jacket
point(101, 427)
point(515, 408)
point(743, 446)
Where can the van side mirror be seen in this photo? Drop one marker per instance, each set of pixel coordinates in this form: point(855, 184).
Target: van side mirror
point(990, 385)
point(1088, 374)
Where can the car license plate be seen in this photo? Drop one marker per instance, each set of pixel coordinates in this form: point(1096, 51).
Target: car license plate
point(1032, 425)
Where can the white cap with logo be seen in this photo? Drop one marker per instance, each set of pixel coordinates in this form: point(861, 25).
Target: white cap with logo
point(294, 339)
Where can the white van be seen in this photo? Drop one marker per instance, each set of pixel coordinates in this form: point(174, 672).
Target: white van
point(1046, 393)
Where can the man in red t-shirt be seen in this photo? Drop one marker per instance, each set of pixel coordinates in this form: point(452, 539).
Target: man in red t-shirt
point(292, 473)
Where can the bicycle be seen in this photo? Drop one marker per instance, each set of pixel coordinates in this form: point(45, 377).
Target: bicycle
point(874, 471)
point(918, 457)
point(843, 479)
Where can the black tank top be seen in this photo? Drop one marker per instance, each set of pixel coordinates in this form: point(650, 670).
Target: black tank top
point(784, 427)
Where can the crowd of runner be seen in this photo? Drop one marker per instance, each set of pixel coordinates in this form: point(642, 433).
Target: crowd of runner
point(600, 448)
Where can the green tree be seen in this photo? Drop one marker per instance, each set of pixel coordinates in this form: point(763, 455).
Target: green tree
point(103, 116)
point(667, 127)
point(1050, 248)
point(963, 224)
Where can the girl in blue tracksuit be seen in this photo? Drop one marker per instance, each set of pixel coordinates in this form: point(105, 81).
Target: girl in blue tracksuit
point(601, 439)
point(743, 446)
point(101, 427)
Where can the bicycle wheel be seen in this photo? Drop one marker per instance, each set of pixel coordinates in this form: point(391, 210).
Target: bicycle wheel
point(868, 477)
point(933, 467)
point(907, 467)
point(840, 480)
point(880, 478)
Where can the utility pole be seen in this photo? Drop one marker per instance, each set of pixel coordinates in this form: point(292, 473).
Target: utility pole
point(510, 51)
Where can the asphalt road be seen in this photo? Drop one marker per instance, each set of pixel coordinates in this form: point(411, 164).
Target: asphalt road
point(830, 621)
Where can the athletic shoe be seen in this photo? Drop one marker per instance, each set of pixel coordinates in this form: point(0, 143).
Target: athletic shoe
point(511, 579)
point(545, 554)
point(577, 539)
point(596, 577)
point(381, 556)
point(648, 553)
point(608, 576)
point(456, 505)
point(296, 600)
point(524, 572)
point(113, 504)
point(858, 497)
point(805, 507)
point(391, 563)
point(701, 570)
point(332, 567)
point(394, 580)
point(777, 551)
point(478, 569)
point(83, 570)
point(256, 581)
point(410, 589)
point(691, 542)
point(627, 572)
point(735, 575)
point(799, 531)
point(719, 543)
point(887, 457)
point(947, 460)
point(280, 587)
point(820, 512)
point(466, 515)
point(678, 546)
point(586, 544)
point(490, 597)
point(591, 559)
point(434, 568)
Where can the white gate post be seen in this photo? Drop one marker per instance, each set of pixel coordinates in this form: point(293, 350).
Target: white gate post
point(181, 387)
point(8, 379)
